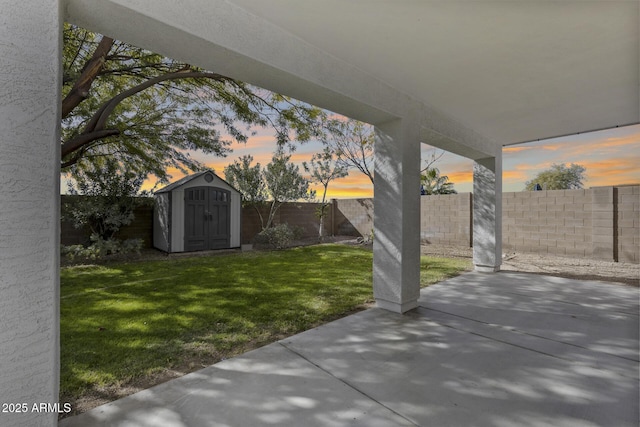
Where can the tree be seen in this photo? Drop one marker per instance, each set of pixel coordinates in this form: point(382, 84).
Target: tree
point(279, 182)
point(432, 159)
point(110, 198)
point(558, 177)
point(434, 183)
point(145, 111)
point(284, 184)
point(352, 142)
point(249, 181)
point(323, 170)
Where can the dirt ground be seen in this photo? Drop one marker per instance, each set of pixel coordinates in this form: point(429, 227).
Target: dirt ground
point(572, 268)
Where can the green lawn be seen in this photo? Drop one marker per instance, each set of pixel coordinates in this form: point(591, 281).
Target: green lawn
point(124, 322)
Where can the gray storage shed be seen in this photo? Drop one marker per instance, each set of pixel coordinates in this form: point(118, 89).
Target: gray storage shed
point(196, 213)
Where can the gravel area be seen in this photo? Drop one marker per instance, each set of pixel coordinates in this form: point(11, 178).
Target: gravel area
point(573, 268)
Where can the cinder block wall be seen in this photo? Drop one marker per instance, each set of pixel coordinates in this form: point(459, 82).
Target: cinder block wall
point(557, 222)
point(140, 228)
point(446, 219)
point(352, 217)
point(602, 223)
point(300, 215)
point(599, 223)
point(628, 223)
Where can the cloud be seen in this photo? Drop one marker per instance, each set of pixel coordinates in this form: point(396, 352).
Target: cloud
point(515, 149)
point(614, 171)
point(354, 178)
point(460, 177)
point(299, 157)
point(515, 176)
point(537, 167)
point(622, 141)
point(531, 147)
point(219, 163)
point(607, 147)
point(354, 185)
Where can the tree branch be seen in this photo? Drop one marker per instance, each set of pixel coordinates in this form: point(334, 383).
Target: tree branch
point(94, 129)
point(99, 119)
point(76, 143)
point(80, 90)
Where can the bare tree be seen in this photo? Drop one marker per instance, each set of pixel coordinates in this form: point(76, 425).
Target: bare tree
point(352, 142)
point(432, 158)
point(324, 169)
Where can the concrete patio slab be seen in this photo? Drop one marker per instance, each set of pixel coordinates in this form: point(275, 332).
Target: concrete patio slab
point(481, 350)
point(268, 386)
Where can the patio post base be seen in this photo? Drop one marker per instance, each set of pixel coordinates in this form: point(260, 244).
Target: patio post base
point(396, 307)
point(486, 268)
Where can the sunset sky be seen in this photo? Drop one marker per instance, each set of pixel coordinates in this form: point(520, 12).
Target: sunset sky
point(611, 157)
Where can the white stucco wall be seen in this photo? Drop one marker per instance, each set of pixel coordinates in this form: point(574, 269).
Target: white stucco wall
point(236, 218)
point(487, 214)
point(177, 217)
point(396, 246)
point(30, 48)
point(161, 222)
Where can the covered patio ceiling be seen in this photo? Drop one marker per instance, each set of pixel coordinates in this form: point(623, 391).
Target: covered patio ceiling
point(513, 71)
point(503, 71)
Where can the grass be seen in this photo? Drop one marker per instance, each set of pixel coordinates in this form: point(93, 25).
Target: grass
point(122, 323)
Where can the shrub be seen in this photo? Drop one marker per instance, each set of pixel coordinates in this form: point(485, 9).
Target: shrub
point(279, 236)
point(99, 248)
point(109, 199)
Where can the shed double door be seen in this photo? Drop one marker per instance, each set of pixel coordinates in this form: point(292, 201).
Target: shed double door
point(206, 219)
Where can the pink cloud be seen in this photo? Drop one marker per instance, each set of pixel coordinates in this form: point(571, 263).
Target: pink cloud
point(525, 147)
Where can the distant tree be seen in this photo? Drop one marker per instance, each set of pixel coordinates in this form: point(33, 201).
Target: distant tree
point(432, 158)
point(558, 177)
point(284, 184)
point(433, 183)
point(352, 143)
point(249, 181)
point(324, 169)
point(279, 182)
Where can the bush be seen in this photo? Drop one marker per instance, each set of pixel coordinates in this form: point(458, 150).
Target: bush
point(280, 236)
point(109, 200)
point(100, 248)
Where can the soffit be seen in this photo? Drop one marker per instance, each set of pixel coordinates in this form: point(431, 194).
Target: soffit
point(512, 71)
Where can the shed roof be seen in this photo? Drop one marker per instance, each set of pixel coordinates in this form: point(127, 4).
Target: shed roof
point(182, 181)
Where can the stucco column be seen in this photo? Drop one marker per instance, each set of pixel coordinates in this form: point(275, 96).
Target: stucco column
point(487, 214)
point(396, 244)
point(30, 51)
